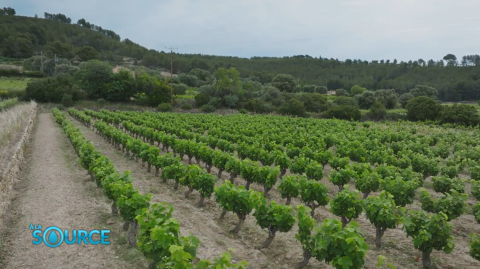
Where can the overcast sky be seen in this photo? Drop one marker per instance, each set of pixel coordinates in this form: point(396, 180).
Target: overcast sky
point(355, 29)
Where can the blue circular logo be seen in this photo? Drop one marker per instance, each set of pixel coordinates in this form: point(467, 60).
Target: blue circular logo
point(53, 239)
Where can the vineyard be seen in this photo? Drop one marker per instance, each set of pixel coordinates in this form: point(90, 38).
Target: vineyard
point(243, 191)
point(305, 180)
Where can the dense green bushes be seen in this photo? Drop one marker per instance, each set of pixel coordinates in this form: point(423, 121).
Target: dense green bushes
point(344, 112)
point(165, 107)
point(460, 114)
point(422, 108)
point(52, 89)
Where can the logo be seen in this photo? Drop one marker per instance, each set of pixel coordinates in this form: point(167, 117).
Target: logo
point(53, 236)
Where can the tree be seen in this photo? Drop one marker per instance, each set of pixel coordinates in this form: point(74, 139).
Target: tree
point(341, 92)
point(153, 90)
point(345, 101)
point(285, 83)
point(347, 205)
point(8, 11)
point(451, 59)
point(179, 89)
point(50, 65)
point(201, 74)
point(226, 81)
point(387, 97)
point(322, 90)
point(87, 53)
point(201, 99)
point(378, 111)
point(230, 100)
point(51, 89)
point(293, 107)
point(309, 88)
point(357, 90)
point(93, 77)
point(366, 99)
point(314, 102)
point(17, 47)
point(344, 112)
point(429, 232)
point(189, 80)
point(120, 87)
point(404, 98)
point(422, 108)
point(382, 212)
point(423, 90)
point(60, 49)
point(460, 114)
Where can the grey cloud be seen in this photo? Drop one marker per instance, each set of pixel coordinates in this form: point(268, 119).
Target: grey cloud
point(360, 29)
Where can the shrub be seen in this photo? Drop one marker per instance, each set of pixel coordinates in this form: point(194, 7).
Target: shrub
point(186, 106)
point(243, 111)
point(255, 105)
point(404, 98)
point(366, 100)
point(202, 99)
point(208, 108)
point(179, 89)
point(293, 107)
point(67, 100)
point(215, 102)
point(422, 108)
point(165, 107)
point(341, 92)
point(314, 102)
point(460, 114)
point(378, 111)
point(345, 101)
point(101, 101)
point(344, 112)
point(322, 90)
point(49, 89)
point(189, 80)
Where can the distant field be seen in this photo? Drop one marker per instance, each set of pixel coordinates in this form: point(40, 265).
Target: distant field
point(14, 86)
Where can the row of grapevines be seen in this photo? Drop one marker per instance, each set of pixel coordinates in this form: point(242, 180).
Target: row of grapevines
point(347, 201)
point(80, 115)
point(159, 236)
point(269, 215)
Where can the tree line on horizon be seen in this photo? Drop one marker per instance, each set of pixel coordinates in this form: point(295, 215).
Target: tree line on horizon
point(456, 79)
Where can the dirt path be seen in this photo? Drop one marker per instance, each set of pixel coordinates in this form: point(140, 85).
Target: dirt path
point(54, 192)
